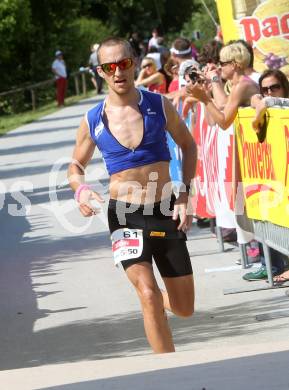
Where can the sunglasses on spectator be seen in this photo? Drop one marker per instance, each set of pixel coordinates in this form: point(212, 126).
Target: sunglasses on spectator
point(147, 65)
point(272, 88)
point(110, 67)
point(224, 63)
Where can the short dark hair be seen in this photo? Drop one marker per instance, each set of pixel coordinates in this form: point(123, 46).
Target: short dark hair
point(113, 41)
point(210, 52)
point(280, 76)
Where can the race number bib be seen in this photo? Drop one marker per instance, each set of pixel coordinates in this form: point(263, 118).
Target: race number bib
point(126, 244)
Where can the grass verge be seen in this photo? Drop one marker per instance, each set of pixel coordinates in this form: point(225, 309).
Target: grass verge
point(11, 122)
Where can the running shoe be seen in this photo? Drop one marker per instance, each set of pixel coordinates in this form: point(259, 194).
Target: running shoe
point(260, 274)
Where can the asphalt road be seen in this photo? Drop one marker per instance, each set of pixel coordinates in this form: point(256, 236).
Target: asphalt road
point(62, 301)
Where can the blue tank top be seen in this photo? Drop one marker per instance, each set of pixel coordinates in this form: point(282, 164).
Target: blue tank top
point(153, 146)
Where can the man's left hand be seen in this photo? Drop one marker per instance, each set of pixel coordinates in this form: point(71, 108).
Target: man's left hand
point(182, 209)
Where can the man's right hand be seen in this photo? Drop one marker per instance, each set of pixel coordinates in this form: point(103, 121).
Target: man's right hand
point(85, 206)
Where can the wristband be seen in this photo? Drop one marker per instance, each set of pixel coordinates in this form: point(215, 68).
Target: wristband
point(79, 189)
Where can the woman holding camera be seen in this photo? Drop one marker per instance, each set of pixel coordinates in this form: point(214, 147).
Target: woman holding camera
point(234, 59)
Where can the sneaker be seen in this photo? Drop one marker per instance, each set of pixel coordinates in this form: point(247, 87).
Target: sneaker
point(260, 274)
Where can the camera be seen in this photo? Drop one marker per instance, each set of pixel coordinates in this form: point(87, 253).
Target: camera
point(194, 76)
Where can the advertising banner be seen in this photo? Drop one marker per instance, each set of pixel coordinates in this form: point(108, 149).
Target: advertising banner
point(264, 24)
point(214, 176)
point(264, 167)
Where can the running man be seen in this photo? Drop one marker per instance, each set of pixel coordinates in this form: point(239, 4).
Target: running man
point(129, 128)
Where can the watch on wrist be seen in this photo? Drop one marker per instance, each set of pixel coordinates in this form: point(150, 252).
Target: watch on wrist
point(215, 79)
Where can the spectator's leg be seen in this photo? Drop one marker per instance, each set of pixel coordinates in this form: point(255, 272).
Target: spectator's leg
point(58, 91)
point(62, 90)
point(99, 82)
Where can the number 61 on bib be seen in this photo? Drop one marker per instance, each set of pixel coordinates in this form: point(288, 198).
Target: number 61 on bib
point(126, 244)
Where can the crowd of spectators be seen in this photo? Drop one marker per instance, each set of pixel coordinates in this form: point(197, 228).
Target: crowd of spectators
point(222, 77)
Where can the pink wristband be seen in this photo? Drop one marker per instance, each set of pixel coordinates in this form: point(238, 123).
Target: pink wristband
point(79, 189)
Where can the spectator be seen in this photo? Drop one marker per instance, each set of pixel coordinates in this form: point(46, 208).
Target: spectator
point(135, 44)
point(235, 58)
point(172, 70)
point(249, 71)
point(156, 56)
point(96, 80)
point(181, 54)
point(210, 53)
point(278, 260)
point(59, 69)
point(282, 278)
point(192, 75)
point(150, 77)
point(153, 42)
point(273, 84)
point(181, 51)
point(209, 59)
point(194, 48)
point(163, 50)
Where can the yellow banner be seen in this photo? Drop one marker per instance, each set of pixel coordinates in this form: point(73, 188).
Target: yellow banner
point(264, 24)
point(265, 166)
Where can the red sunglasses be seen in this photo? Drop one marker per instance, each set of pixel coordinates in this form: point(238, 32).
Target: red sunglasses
point(110, 67)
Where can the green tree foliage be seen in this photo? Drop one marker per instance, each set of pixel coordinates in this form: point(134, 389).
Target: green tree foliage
point(84, 33)
point(201, 21)
point(31, 30)
point(127, 16)
point(15, 29)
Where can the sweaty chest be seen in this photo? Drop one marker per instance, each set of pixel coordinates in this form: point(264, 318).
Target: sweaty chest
point(127, 127)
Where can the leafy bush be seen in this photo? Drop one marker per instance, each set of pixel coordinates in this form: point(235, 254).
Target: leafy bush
point(201, 21)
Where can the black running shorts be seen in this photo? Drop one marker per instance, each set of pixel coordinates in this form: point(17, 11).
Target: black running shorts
point(160, 238)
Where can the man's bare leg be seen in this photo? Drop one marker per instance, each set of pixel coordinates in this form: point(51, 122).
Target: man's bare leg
point(179, 297)
point(155, 322)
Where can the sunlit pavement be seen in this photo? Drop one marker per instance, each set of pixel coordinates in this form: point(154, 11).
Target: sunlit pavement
point(69, 320)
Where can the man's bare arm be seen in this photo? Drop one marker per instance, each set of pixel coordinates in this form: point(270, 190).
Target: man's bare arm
point(226, 118)
point(183, 138)
point(146, 81)
point(82, 154)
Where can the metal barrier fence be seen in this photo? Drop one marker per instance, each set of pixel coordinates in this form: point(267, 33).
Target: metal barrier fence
point(209, 139)
point(274, 150)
